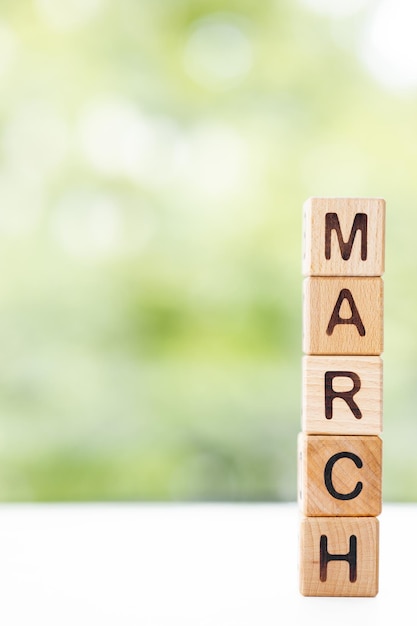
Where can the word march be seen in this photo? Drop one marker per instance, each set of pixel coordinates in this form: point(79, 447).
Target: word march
point(340, 445)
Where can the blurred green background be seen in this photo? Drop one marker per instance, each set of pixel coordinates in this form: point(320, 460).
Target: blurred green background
point(155, 156)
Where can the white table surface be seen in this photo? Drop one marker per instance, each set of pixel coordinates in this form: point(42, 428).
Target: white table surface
point(185, 565)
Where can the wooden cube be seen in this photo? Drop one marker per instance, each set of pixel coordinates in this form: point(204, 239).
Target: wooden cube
point(344, 237)
point(340, 475)
point(339, 556)
point(343, 316)
point(342, 395)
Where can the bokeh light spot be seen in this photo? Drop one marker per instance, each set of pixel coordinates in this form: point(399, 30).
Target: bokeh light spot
point(87, 223)
point(335, 8)
point(65, 15)
point(35, 139)
point(217, 163)
point(8, 47)
point(390, 44)
point(114, 137)
point(218, 52)
point(20, 205)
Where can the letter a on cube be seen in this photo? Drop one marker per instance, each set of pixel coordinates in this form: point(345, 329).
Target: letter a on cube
point(343, 316)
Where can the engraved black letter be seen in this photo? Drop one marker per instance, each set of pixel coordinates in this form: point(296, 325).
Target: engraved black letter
point(328, 476)
point(359, 223)
point(355, 318)
point(347, 396)
point(350, 557)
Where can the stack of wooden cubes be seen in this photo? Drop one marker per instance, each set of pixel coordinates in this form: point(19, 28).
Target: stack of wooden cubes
point(340, 445)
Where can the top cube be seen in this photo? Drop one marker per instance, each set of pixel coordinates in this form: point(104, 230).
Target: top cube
point(344, 237)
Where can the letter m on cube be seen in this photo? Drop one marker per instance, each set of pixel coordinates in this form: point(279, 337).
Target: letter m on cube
point(344, 237)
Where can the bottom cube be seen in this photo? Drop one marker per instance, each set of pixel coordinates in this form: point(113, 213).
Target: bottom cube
point(339, 556)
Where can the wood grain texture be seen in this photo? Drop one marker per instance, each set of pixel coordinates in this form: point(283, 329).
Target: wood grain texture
point(343, 226)
point(343, 316)
point(340, 475)
point(342, 395)
point(338, 531)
